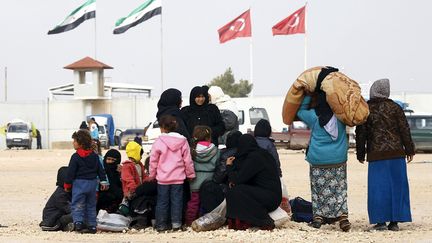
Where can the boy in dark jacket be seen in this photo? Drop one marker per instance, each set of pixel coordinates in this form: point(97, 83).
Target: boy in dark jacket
point(82, 178)
point(56, 213)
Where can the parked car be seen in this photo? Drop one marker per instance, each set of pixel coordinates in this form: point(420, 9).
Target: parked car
point(19, 134)
point(296, 137)
point(122, 138)
point(249, 117)
point(421, 131)
point(103, 137)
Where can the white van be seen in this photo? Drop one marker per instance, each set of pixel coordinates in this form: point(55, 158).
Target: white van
point(19, 134)
point(249, 117)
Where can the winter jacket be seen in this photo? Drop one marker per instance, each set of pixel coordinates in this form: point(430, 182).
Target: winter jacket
point(88, 167)
point(386, 133)
point(267, 144)
point(323, 151)
point(170, 159)
point(204, 163)
point(130, 177)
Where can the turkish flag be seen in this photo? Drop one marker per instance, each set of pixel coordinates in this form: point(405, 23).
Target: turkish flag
point(293, 24)
point(239, 27)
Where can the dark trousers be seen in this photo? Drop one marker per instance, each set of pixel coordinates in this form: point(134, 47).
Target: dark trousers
point(84, 201)
point(169, 203)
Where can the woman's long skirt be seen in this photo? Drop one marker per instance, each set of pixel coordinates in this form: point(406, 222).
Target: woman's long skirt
point(388, 191)
point(329, 191)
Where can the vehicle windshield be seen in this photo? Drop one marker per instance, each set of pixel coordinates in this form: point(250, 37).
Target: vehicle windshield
point(257, 114)
point(18, 128)
point(134, 132)
point(420, 122)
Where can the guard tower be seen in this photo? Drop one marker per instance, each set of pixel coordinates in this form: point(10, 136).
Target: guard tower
point(88, 78)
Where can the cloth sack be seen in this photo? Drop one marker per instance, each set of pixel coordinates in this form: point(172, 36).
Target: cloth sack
point(301, 210)
point(112, 222)
point(211, 221)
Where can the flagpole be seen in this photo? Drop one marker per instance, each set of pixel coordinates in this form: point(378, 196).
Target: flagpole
point(305, 41)
point(161, 50)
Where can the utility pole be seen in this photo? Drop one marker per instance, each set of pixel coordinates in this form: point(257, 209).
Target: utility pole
point(5, 85)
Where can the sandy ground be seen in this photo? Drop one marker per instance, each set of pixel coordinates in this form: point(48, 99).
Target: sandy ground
point(27, 179)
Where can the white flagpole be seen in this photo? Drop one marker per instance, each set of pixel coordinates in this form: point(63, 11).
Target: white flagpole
point(161, 50)
point(305, 41)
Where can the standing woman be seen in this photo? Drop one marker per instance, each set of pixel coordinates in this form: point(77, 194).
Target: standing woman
point(327, 156)
point(200, 112)
point(387, 138)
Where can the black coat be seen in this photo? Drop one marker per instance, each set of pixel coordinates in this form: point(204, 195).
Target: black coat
point(257, 189)
point(204, 115)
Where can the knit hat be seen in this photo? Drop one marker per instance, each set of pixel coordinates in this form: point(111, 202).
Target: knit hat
point(262, 129)
point(113, 153)
point(133, 150)
point(380, 89)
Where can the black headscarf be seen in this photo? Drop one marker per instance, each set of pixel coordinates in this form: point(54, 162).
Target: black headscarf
point(169, 103)
point(323, 109)
point(246, 145)
point(84, 125)
point(195, 92)
point(232, 140)
point(111, 169)
point(262, 129)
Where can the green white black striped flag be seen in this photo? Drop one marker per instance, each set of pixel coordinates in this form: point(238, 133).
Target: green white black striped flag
point(142, 13)
point(79, 15)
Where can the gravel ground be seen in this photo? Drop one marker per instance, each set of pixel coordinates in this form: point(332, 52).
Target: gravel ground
point(27, 179)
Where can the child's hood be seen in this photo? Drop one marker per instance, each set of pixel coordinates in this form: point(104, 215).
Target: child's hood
point(205, 153)
point(174, 141)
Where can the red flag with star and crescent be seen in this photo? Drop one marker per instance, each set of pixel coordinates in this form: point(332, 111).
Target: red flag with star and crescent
point(239, 27)
point(293, 24)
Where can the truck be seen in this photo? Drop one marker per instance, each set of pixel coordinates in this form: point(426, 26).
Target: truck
point(295, 137)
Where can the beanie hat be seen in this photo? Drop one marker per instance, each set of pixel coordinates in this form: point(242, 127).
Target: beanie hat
point(262, 129)
point(133, 150)
point(380, 89)
point(113, 153)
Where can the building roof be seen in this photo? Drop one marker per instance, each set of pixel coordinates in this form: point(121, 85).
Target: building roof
point(88, 63)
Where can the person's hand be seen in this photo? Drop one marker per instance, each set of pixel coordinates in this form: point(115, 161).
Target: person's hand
point(104, 187)
point(147, 179)
point(119, 168)
point(361, 161)
point(409, 158)
point(229, 160)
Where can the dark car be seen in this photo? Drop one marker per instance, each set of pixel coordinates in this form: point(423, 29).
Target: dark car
point(122, 138)
point(421, 131)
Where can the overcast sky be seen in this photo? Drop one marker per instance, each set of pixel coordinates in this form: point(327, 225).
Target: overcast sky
point(367, 39)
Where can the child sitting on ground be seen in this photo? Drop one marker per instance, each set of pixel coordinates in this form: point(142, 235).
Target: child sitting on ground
point(205, 155)
point(170, 165)
point(56, 213)
point(82, 177)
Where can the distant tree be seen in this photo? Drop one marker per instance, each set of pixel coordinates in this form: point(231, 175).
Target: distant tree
point(227, 83)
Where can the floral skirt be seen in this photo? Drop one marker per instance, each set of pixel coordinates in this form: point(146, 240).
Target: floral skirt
point(329, 191)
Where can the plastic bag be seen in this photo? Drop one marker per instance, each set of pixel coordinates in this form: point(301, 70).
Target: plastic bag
point(279, 217)
point(211, 221)
point(112, 222)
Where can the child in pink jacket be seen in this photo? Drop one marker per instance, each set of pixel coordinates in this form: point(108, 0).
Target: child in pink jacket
point(170, 165)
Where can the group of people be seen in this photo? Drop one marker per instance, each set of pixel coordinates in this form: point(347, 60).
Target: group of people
point(187, 175)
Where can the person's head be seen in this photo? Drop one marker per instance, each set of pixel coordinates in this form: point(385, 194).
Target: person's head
point(167, 123)
point(263, 129)
point(198, 96)
point(246, 144)
point(202, 133)
point(82, 139)
point(134, 151)
point(380, 89)
point(83, 125)
point(215, 93)
point(170, 97)
point(233, 139)
point(112, 156)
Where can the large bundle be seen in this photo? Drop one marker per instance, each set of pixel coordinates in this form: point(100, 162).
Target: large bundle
point(342, 94)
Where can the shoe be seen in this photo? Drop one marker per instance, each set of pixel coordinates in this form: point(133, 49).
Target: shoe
point(89, 230)
point(50, 228)
point(78, 226)
point(345, 225)
point(69, 227)
point(162, 229)
point(380, 227)
point(317, 222)
point(393, 226)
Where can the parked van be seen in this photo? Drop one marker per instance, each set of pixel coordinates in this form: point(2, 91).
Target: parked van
point(249, 117)
point(19, 134)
